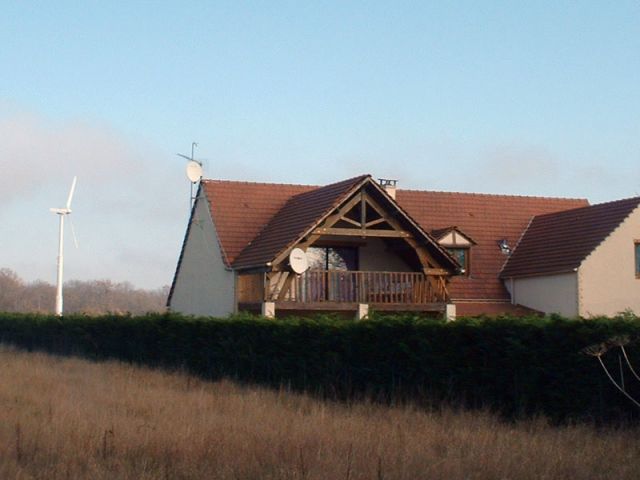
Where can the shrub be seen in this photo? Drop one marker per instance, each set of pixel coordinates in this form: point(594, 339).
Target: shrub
point(519, 367)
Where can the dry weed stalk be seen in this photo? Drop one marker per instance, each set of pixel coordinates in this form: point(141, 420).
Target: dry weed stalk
point(598, 350)
point(18, 443)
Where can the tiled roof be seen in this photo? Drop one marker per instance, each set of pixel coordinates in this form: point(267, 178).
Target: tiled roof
point(241, 211)
point(297, 215)
point(559, 242)
point(491, 309)
point(487, 219)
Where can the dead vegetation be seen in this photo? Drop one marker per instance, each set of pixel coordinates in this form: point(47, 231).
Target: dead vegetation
point(94, 297)
point(70, 418)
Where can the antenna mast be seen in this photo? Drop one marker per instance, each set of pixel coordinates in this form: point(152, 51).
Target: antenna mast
point(194, 171)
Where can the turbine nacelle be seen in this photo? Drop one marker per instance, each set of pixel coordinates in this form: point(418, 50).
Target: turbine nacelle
point(61, 211)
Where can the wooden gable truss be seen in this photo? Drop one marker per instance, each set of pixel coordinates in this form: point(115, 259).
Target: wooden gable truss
point(362, 216)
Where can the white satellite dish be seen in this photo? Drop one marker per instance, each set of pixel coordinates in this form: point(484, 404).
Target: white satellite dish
point(298, 261)
point(194, 171)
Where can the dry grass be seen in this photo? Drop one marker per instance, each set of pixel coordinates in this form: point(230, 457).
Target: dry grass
point(68, 418)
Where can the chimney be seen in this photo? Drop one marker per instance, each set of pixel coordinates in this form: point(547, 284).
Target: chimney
point(389, 185)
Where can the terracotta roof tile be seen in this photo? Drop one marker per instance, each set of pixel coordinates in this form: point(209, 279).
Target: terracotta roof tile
point(487, 219)
point(241, 211)
point(296, 216)
point(559, 242)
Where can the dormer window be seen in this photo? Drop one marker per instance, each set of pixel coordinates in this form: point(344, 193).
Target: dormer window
point(462, 256)
point(458, 244)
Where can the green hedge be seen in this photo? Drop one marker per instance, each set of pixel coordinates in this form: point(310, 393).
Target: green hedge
point(519, 367)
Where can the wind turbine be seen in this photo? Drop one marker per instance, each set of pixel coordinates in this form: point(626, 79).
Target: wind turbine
point(63, 212)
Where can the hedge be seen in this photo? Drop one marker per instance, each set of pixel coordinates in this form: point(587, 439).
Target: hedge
point(519, 367)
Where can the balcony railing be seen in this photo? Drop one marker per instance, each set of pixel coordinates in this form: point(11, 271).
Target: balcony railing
point(337, 286)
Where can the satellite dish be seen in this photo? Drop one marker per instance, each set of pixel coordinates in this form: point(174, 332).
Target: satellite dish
point(194, 171)
point(298, 261)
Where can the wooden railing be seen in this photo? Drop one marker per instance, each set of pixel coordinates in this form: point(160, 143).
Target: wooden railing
point(338, 286)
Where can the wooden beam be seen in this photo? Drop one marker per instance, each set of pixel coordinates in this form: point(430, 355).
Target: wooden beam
point(286, 286)
point(277, 288)
point(363, 211)
point(352, 222)
point(331, 220)
point(435, 271)
point(425, 257)
point(354, 232)
point(375, 222)
point(303, 245)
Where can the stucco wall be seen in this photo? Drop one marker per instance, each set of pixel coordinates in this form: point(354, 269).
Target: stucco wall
point(374, 256)
point(608, 284)
point(203, 285)
point(548, 293)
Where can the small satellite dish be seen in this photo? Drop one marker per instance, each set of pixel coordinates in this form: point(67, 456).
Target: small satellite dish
point(298, 261)
point(194, 171)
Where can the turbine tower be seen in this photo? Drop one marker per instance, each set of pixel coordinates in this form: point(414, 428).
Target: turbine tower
point(62, 212)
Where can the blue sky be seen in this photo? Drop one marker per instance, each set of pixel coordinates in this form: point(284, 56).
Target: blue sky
point(533, 98)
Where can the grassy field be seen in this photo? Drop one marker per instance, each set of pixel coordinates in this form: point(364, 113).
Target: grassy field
point(69, 418)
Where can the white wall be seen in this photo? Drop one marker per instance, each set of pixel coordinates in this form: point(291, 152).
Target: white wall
point(548, 293)
point(374, 256)
point(203, 285)
point(608, 283)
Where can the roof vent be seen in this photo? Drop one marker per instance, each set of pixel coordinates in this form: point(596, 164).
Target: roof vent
point(389, 185)
point(504, 246)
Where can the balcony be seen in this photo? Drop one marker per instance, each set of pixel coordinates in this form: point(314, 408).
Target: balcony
point(343, 290)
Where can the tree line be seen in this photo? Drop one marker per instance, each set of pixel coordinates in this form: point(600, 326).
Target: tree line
point(94, 297)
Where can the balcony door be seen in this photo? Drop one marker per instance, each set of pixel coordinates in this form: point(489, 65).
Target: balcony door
point(327, 278)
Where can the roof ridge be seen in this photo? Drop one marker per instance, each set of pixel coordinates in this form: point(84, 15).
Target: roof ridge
point(247, 182)
point(280, 184)
point(493, 195)
point(588, 207)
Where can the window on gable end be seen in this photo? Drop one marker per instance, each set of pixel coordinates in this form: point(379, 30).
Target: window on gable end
point(637, 250)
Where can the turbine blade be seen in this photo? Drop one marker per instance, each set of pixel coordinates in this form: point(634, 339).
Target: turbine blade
point(183, 156)
point(73, 233)
point(73, 187)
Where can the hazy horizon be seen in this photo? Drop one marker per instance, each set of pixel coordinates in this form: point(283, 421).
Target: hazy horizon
point(534, 99)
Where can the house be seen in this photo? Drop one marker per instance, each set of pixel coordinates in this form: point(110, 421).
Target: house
point(360, 244)
point(580, 262)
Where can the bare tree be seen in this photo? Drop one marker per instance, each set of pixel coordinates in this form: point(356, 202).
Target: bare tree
point(90, 297)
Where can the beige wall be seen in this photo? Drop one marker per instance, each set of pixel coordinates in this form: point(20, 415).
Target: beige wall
point(203, 285)
point(548, 293)
point(608, 284)
point(375, 256)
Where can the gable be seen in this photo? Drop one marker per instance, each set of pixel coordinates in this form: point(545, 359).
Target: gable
point(452, 237)
point(559, 242)
point(356, 207)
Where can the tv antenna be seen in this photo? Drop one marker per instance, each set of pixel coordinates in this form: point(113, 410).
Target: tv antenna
point(194, 171)
point(63, 212)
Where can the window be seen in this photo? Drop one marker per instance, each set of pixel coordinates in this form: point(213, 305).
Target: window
point(637, 248)
point(333, 258)
point(462, 256)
